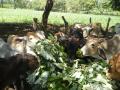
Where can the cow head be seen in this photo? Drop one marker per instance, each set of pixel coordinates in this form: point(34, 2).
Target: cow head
point(34, 37)
point(16, 42)
point(94, 47)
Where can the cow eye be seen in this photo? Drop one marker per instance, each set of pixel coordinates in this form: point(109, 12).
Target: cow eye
point(93, 45)
point(30, 38)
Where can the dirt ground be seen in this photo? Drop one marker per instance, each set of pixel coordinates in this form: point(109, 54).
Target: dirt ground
point(7, 29)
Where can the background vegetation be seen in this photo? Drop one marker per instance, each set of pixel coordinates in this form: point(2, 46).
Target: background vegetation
point(76, 6)
point(26, 15)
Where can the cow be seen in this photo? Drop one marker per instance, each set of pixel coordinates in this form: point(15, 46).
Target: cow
point(36, 35)
point(102, 48)
point(71, 42)
point(14, 70)
point(85, 29)
point(5, 50)
point(114, 67)
point(17, 43)
point(97, 29)
point(94, 29)
point(117, 28)
point(25, 44)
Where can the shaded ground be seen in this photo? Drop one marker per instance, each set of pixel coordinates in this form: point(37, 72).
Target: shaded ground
point(13, 28)
point(7, 29)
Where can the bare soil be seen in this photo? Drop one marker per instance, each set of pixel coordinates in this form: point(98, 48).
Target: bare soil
point(7, 29)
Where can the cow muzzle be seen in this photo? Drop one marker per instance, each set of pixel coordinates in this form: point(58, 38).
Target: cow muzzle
point(102, 54)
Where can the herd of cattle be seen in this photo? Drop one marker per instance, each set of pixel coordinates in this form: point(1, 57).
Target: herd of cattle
point(16, 58)
point(94, 41)
point(17, 55)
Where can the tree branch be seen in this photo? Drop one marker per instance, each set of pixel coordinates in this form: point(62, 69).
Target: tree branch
point(108, 25)
point(65, 23)
point(48, 8)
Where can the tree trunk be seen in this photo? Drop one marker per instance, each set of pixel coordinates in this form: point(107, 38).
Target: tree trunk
point(108, 25)
point(35, 24)
point(66, 25)
point(48, 8)
point(1, 3)
point(14, 4)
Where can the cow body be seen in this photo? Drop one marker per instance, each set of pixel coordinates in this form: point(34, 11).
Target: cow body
point(114, 68)
point(71, 42)
point(14, 67)
point(5, 50)
point(117, 28)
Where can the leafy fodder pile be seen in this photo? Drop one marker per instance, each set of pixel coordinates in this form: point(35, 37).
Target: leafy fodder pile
point(55, 73)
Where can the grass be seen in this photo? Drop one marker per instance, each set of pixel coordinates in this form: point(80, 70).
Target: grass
point(26, 15)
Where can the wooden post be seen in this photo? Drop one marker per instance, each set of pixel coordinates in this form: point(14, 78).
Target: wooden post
point(14, 4)
point(35, 24)
point(1, 3)
point(66, 24)
point(48, 8)
point(107, 25)
point(90, 20)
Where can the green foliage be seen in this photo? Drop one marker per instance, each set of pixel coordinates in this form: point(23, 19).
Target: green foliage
point(53, 60)
point(59, 5)
point(21, 3)
point(103, 6)
point(54, 73)
point(88, 4)
point(37, 4)
point(75, 6)
point(115, 4)
point(72, 6)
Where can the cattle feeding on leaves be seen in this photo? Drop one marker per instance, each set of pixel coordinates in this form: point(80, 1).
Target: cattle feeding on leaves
point(94, 29)
point(101, 47)
point(85, 29)
point(71, 42)
point(25, 44)
point(16, 42)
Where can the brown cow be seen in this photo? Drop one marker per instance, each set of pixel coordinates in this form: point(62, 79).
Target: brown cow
point(14, 69)
point(71, 42)
point(114, 70)
point(101, 47)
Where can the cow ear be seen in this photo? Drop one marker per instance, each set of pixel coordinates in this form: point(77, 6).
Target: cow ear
point(102, 54)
